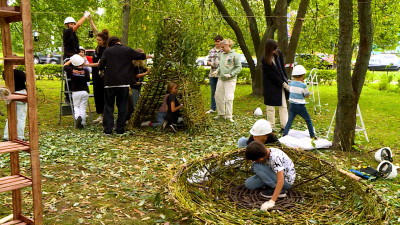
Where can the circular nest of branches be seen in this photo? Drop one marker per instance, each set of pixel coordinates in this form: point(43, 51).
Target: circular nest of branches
point(212, 190)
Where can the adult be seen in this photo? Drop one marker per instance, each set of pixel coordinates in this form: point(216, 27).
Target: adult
point(70, 39)
point(97, 78)
point(274, 83)
point(21, 107)
point(117, 65)
point(213, 61)
point(261, 132)
point(71, 42)
point(227, 71)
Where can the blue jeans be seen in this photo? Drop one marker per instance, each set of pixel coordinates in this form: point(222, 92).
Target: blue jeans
point(299, 109)
point(264, 177)
point(213, 86)
point(135, 97)
point(242, 142)
point(160, 119)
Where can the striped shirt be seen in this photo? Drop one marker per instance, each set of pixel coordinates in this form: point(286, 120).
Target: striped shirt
point(298, 91)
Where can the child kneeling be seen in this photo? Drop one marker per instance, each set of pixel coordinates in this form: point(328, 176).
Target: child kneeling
point(274, 171)
point(173, 116)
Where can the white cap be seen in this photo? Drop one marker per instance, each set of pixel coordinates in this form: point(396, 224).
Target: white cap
point(258, 112)
point(383, 154)
point(261, 127)
point(298, 70)
point(82, 48)
point(69, 20)
point(76, 60)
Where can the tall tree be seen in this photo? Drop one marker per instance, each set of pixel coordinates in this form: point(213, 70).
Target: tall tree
point(275, 20)
point(126, 10)
point(350, 86)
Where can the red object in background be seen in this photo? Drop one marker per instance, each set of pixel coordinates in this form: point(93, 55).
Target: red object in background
point(89, 55)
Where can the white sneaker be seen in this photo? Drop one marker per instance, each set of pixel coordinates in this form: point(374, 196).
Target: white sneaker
point(99, 119)
point(145, 123)
point(230, 119)
point(219, 117)
point(210, 111)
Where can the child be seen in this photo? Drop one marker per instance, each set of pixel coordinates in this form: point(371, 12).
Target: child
point(261, 132)
point(173, 115)
point(274, 170)
point(82, 53)
point(162, 112)
point(229, 67)
point(80, 91)
point(298, 91)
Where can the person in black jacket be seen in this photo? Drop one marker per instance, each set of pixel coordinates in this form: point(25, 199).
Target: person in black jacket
point(117, 65)
point(274, 83)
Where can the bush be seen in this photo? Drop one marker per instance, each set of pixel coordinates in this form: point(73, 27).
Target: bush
point(326, 76)
point(384, 83)
point(48, 71)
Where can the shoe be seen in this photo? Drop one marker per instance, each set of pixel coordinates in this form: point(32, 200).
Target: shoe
point(164, 125)
point(99, 119)
point(267, 193)
point(219, 117)
point(145, 123)
point(210, 111)
point(79, 123)
point(230, 119)
point(174, 128)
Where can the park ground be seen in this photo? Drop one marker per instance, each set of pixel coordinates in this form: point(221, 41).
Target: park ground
point(88, 178)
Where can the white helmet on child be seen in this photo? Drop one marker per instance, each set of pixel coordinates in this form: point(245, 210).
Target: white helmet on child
point(69, 20)
point(383, 154)
point(258, 112)
point(77, 60)
point(261, 127)
point(298, 70)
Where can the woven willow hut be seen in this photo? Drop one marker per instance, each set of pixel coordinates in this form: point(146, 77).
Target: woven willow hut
point(174, 60)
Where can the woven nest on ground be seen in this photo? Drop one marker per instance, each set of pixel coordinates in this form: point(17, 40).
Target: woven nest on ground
point(212, 190)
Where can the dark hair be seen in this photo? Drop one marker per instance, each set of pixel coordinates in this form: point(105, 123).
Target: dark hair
point(103, 35)
point(218, 37)
point(113, 40)
point(170, 85)
point(270, 46)
point(255, 150)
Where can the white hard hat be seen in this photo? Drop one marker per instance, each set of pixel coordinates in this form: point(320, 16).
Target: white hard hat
point(258, 112)
point(387, 169)
point(82, 48)
point(76, 60)
point(383, 154)
point(69, 20)
point(261, 127)
point(298, 70)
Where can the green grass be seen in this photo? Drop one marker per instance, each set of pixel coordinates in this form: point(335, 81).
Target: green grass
point(89, 178)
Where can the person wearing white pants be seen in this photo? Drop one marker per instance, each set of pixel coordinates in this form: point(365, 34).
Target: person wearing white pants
point(80, 100)
point(283, 112)
point(80, 92)
point(22, 108)
point(229, 67)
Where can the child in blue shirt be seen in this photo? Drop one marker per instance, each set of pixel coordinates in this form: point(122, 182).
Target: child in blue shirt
point(298, 92)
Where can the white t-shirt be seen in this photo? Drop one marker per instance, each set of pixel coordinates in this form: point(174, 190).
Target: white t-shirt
point(278, 161)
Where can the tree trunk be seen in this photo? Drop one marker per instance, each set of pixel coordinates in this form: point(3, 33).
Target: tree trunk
point(349, 88)
point(294, 39)
point(281, 13)
point(126, 10)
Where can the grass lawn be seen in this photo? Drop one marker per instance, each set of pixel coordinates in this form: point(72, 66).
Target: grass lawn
point(92, 179)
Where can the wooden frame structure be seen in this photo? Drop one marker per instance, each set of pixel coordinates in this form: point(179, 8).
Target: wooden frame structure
point(16, 181)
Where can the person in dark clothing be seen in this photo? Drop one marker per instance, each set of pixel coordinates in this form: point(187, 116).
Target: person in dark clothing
point(274, 83)
point(117, 65)
point(22, 107)
point(71, 41)
point(173, 115)
point(261, 132)
point(98, 80)
point(80, 92)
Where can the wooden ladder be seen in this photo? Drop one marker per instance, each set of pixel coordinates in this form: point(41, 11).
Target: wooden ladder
point(16, 181)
